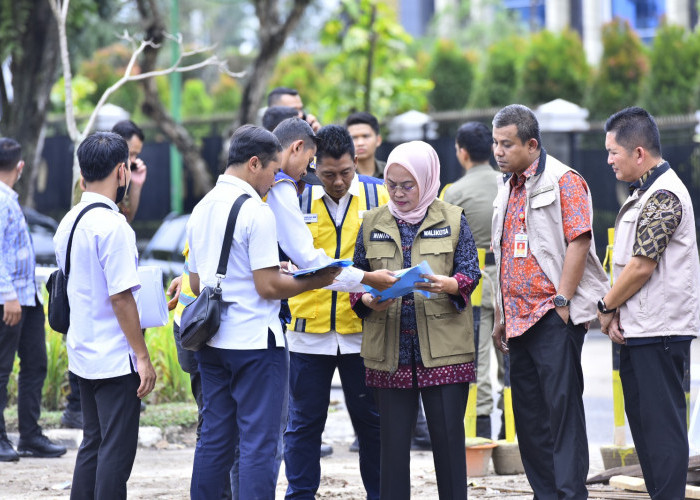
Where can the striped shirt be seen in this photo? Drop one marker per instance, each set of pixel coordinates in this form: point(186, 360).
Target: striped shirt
point(17, 259)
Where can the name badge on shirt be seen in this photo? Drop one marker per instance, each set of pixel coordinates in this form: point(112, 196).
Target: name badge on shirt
point(441, 232)
point(379, 236)
point(520, 245)
point(310, 218)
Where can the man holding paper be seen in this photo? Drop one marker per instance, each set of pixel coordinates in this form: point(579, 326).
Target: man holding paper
point(324, 332)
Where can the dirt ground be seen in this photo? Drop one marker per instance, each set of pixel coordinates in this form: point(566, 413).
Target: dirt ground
point(50, 478)
point(164, 473)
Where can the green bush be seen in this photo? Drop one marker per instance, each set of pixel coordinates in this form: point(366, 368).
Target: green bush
point(105, 68)
point(226, 94)
point(555, 67)
point(299, 71)
point(623, 66)
point(498, 82)
point(452, 73)
point(172, 385)
point(675, 73)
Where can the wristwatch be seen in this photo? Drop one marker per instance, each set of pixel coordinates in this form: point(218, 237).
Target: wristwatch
point(603, 309)
point(561, 301)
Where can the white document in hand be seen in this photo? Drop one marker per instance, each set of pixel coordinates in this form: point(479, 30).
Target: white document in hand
point(150, 299)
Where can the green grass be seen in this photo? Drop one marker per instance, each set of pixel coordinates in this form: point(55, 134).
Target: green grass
point(162, 416)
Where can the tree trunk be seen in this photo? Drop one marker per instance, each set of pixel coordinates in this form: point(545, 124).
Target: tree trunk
point(33, 68)
point(272, 35)
point(154, 109)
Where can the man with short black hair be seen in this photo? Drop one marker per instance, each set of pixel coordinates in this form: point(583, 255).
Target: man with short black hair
point(21, 317)
point(549, 278)
point(248, 348)
point(274, 115)
point(106, 348)
point(653, 308)
point(134, 137)
point(285, 96)
point(324, 332)
point(364, 130)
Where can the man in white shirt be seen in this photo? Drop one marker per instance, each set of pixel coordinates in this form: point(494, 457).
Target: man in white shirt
point(249, 346)
point(324, 331)
point(106, 348)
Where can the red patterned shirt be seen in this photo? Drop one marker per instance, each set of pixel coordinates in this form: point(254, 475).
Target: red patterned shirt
point(527, 292)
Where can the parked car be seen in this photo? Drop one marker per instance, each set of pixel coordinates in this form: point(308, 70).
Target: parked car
point(41, 228)
point(165, 248)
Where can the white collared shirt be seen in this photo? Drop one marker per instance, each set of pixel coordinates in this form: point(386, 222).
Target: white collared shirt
point(104, 262)
point(296, 240)
point(332, 342)
point(247, 317)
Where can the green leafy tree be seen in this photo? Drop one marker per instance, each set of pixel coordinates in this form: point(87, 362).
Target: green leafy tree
point(623, 66)
point(672, 84)
point(452, 73)
point(299, 71)
point(554, 67)
point(370, 67)
point(497, 83)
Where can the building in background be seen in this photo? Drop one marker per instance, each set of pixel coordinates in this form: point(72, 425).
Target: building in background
point(584, 16)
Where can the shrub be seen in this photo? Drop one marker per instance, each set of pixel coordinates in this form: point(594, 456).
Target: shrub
point(452, 73)
point(498, 83)
point(671, 87)
point(623, 66)
point(105, 68)
point(554, 67)
point(226, 94)
point(299, 71)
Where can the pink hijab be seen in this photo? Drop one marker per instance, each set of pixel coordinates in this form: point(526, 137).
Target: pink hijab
point(422, 162)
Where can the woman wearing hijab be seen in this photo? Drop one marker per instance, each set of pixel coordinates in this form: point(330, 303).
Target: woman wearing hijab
point(418, 345)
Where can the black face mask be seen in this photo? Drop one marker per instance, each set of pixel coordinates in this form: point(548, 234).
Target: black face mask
point(121, 191)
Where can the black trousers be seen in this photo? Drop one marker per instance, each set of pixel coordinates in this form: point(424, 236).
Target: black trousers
point(189, 365)
point(111, 412)
point(547, 385)
point(444, 411)
point(27, 339)
point(652, 377)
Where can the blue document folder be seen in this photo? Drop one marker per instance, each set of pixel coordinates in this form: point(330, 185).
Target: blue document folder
point(407, 278)
point(334, 263)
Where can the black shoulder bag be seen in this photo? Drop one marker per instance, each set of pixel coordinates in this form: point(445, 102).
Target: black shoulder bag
point(57, 284)
point(202, 317)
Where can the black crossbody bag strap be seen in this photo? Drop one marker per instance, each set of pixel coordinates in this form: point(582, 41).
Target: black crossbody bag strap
point(228, 237)
point(70, 238)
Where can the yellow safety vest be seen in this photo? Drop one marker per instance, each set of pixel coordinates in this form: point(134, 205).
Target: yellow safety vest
point(320, 311)
point(186, 293)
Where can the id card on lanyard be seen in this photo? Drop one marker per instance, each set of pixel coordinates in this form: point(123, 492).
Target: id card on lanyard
point(520, 239)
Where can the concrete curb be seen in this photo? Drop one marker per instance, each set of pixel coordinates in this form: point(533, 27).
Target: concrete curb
point(149, 437)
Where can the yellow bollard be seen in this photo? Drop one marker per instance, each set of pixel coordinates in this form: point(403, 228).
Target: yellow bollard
point(470, 414)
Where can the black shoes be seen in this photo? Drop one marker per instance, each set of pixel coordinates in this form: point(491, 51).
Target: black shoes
point(7, 452)
point(72, 419)
point(39, 446)
point(326, 450)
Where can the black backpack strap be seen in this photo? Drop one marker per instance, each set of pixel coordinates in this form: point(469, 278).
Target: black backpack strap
point(228, 236)
point(70, 238)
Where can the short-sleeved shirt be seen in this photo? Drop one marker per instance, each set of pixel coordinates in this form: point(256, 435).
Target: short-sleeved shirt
point(18, 260)
point(527, 292)
point(104, 263)
point(659, 218)
point(246, 319)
